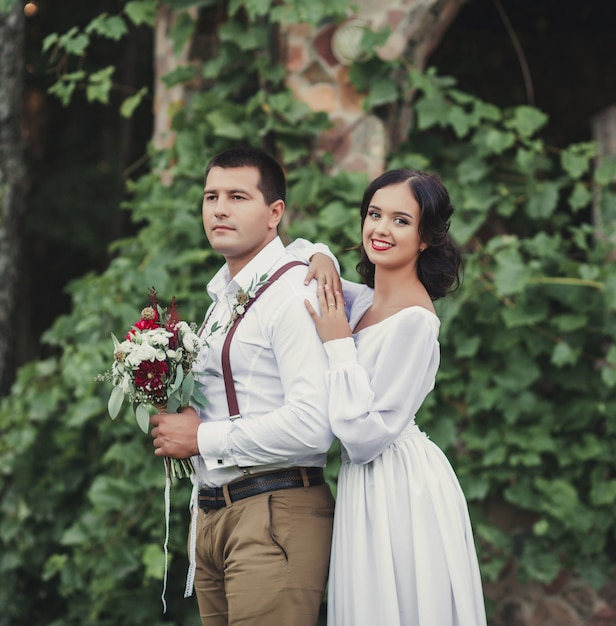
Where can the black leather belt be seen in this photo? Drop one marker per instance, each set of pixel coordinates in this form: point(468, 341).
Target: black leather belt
point(292, 478)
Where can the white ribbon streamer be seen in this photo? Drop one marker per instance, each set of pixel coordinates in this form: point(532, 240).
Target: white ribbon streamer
point(192, 552)
point(167, 515)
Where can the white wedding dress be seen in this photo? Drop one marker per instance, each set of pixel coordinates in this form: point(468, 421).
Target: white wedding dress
point(403, 551)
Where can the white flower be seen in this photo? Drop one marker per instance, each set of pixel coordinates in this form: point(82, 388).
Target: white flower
point(182, 327)
point(157, 337)
point(144, 352)
point(126, 384)
point(175, 355)
point(191, 342)
point(126, 346)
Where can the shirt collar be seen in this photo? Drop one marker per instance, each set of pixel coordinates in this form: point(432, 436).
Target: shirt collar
point(249, 275)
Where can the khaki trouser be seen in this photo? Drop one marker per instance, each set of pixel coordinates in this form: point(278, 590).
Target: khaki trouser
point(263, 561)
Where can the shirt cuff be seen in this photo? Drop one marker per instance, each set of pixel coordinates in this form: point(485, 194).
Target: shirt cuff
point(341, 351)
point(212, 441)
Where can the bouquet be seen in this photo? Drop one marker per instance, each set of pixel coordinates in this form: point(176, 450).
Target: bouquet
point(152, 367)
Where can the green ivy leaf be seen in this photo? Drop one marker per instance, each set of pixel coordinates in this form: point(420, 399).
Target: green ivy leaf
point(541, 527)
point(606, 172)
point(254, 8)
point(254, 38)
point(182, 32)
point(141, 12)
point(520, 315)
point(223, 125)
point(563, 354)
point(609, 291)
point(334, 215)
point(430, 111)
point(178, 5)
point(542, 200)
point(486, 111)
point(603, 493)
point(527, 120)
point(526, 159)
point(467, 347)
point(497, 141)
point(110, 26)
point(576, 160)
point(382, 91)
point(63, 90)
point(608, 375)
point(568, 322)
point(74, 42)
point(511, 274)
point(472, 170)
point(580, 197)
point(460, 120)
point(99, 85)
point(476, 488)
point(540, 564)
point(153, 559)
point(49, 41)
point(466, 224)
point(132, 102)
point(179, 76)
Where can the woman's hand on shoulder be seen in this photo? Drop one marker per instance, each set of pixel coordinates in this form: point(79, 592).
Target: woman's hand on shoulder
point(331, 321)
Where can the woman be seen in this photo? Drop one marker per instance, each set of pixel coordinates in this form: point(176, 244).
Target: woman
point(403, 551)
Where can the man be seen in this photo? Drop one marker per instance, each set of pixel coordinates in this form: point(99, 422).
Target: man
point(263, 528)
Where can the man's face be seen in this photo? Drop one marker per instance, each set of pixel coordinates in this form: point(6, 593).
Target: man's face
point(237, 220)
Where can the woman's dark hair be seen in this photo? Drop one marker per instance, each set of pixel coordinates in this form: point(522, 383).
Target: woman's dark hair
point(439, 265)
point(272, 182)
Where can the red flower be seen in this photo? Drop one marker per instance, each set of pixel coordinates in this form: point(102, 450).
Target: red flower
point(144, 324)
point(151, 376)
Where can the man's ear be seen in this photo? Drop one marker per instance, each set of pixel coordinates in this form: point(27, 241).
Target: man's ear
point(276, 213)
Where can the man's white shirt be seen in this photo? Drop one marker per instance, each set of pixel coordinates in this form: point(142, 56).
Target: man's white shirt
point(278, 365)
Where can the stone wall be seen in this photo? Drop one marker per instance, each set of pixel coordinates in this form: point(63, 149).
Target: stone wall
point(317, 64)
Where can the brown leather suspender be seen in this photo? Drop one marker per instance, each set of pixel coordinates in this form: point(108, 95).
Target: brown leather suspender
point(234, 411)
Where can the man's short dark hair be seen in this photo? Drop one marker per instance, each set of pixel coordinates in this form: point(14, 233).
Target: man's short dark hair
point(272, 183)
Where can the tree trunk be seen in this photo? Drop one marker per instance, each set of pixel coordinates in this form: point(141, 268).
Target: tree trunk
point(165, 61)
point(12, 184)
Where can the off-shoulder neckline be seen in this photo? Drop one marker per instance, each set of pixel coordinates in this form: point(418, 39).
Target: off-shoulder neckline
point(405, 309)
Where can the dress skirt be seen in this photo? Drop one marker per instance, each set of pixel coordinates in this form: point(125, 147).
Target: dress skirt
point(403, 551)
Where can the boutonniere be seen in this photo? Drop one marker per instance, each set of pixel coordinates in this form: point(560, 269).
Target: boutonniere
point(244, 297)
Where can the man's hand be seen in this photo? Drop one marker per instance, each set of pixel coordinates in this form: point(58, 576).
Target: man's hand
point(175, 434)
point(323, 269)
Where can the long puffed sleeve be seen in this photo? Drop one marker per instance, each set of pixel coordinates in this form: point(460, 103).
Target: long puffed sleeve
point(378, 380)
point(303, 250)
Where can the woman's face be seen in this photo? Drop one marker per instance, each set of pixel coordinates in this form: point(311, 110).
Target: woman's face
point(391, 229)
